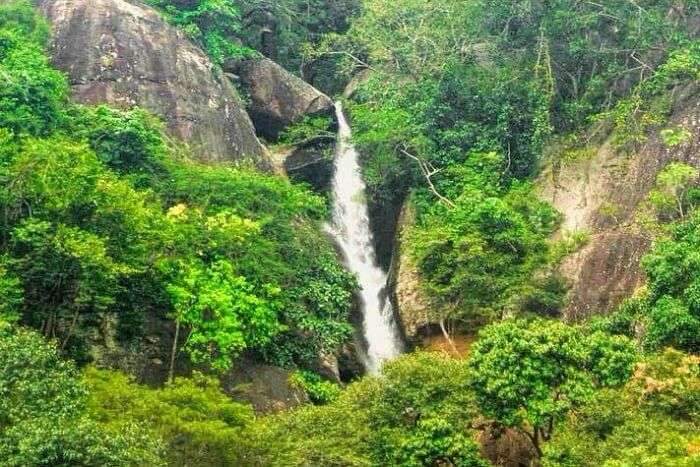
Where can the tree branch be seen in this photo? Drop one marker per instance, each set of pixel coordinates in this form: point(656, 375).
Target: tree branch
point(428, 171)
point(353, 57)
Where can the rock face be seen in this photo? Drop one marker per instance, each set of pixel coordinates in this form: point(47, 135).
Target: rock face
point(413, 307)
point(277, 98)
point(312, 165)
point(267, 388)
point(124, 54)
point(603, 194)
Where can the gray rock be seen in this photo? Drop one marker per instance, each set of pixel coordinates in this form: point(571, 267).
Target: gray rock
point(266, 387)
point(124, 54)
point(313, 166)
point(603, 194)
point(414, 308)
point(277, 97)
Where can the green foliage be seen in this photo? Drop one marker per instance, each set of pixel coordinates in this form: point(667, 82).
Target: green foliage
point(43, 418)
point(213, 24)
point(594, 52)
point(531, 374)
point(417, 412)
point(318, 390)
point(104, 218)
point(287, 30)
point(35, 380)
point(236, 29)
point(308, 130)
point(435, 441)
point(674, 189)
point(668, 312)
point(673, 137)
point(222, 312)
point(32, 94)
point(483, 252)
point(288, 253)
point(648, 106)
point(11, 295)
point(128, 142)
point(494, 75)
point(651, 421)
point(197, 423)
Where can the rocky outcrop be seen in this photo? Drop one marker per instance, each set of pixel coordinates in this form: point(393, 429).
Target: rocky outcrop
point(124, 54)
point(312, 165)
point(505, 447)
point(603, 194)
point(267, 388)
point(277, 97)
point(412, 305)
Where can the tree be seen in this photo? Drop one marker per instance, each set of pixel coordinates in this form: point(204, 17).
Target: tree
point(192, 418)
point(35, 381)
point(673, 185)
point(33, 95)
point(476, 256)
point(42, 412)
point(650, 421)
point(224, 314)
point(530, 374)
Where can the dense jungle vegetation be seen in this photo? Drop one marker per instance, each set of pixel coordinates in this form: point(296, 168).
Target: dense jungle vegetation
point(107, 225)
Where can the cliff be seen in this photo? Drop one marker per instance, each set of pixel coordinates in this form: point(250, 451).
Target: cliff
point(413, 307)
point(603, 194)
point(124, 54)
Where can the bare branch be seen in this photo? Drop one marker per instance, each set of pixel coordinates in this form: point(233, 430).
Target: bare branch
point(360, 62)
point(428, 171)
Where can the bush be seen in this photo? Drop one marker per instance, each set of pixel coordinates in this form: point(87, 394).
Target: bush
point(43, 418)
point(318, 390)
point(417, 412)
point(194, 420)
point(650, 421)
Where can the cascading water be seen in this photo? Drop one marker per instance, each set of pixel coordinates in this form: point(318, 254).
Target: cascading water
point(350, 229)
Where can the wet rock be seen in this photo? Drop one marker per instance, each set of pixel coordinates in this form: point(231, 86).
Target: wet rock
point(326, 365)
point(350, 366)
point(312, 165)
point(124, 54)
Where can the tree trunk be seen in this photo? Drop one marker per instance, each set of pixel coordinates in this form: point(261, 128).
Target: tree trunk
point(171, 372)
point(49, 325)
point(70, 329)
point(534, 439)
point(448, 338)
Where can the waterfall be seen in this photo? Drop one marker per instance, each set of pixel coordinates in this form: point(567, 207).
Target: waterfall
point(350, 229)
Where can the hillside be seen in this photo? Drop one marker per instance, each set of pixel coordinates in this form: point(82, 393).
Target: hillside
point(349, 233)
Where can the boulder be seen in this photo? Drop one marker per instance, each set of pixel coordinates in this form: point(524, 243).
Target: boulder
point(277, 98)
point(311, 165)
point(125, 54)
point(267, 388)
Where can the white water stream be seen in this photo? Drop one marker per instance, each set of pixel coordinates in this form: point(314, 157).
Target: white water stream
point(350, 229)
